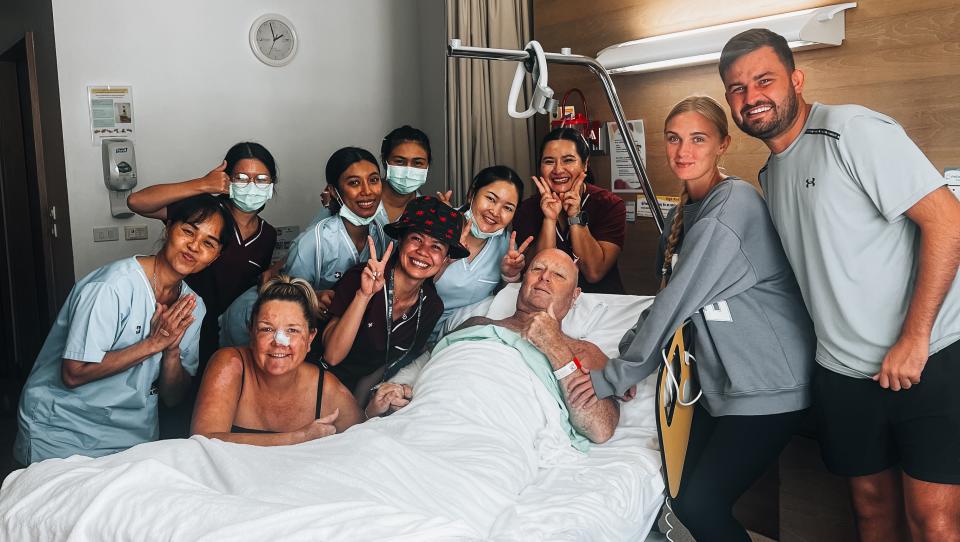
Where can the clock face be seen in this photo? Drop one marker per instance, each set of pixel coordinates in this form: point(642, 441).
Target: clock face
point(273, 40)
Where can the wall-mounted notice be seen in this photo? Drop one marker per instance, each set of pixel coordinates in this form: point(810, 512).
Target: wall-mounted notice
point(666, 203)
point(285, 237)
point(952, 175)
point(631, 211)
point(111, 112)
point(622, 175)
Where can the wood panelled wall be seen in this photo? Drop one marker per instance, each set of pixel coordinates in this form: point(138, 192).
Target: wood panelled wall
point(899, 58)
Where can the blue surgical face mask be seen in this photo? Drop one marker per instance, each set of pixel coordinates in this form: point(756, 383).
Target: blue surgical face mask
point(250, 197)
point(406, 179)
point(475, 228)
point(353, 217)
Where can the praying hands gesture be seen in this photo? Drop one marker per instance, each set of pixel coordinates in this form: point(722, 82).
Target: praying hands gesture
point(168, 325)
point(372, 280)
point(511, 266)
point(550, 202)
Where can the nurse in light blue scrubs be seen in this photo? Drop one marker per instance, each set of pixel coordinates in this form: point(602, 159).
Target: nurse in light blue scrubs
point(493, 198)
point(326, 249)
point(127, 334)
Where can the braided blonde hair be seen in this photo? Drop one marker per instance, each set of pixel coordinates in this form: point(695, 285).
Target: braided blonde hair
point(709, 109)
point(286, 288)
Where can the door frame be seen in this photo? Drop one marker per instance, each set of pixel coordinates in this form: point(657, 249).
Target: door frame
point(54, 221)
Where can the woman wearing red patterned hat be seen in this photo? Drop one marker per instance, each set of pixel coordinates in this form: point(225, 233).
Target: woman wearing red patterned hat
point(358, 345)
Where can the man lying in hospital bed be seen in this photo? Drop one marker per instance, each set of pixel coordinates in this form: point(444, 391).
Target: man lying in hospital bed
point(483, 451)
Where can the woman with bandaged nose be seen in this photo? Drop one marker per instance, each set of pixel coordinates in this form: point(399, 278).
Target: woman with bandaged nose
point(264, 393)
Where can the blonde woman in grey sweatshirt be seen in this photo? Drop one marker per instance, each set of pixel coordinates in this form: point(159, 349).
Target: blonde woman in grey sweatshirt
point(724, 269)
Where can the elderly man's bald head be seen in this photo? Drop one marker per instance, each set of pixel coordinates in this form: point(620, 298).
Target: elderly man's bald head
point(550, 280)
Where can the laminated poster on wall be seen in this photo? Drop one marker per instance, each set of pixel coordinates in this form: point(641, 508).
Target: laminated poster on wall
point(666, 203)
point(952, 175)
point(285, 237)
point(631, 211)
point(111, 112)
point(623, 177)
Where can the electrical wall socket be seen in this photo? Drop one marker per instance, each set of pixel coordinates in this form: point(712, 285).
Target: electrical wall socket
point(108, 233)
point(137, 232)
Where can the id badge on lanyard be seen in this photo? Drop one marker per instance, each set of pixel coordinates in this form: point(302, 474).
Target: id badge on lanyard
point(388, 313)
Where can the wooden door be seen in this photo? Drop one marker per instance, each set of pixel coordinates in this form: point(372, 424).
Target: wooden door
point(27, 295)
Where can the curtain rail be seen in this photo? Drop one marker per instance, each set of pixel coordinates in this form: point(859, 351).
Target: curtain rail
point(456, 50)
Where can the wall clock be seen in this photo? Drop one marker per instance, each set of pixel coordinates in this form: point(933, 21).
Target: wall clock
point(273, 39)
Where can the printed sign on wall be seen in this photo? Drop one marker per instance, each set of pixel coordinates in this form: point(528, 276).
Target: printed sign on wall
point(111, 112)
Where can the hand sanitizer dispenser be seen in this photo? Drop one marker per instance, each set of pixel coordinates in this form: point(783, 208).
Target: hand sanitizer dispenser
point(119, 174)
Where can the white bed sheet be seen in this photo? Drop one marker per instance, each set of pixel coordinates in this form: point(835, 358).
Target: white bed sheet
point(445, 468)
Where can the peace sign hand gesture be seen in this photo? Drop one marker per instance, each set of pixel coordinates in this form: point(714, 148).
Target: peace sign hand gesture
point(572, 198)
point(512, 263)
point(445, 197)
point(549, 202)
point(371, 279)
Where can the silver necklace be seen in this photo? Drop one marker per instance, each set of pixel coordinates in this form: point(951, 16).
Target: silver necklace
point(156, 287)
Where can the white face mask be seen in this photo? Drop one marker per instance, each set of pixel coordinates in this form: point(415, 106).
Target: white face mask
point(406, 179)
point(475, 227)
point(353, 217)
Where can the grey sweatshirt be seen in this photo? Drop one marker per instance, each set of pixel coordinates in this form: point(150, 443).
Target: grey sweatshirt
point(754, 341)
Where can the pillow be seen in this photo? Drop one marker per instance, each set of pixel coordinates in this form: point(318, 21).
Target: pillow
point(602, 319)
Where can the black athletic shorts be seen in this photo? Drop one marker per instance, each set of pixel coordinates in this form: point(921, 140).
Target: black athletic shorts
point(865, 429)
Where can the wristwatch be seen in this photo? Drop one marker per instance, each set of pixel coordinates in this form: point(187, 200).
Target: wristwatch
point(579, 219)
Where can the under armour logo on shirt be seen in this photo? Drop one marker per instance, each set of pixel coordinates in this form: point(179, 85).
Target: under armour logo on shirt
point(337, 275)
point(812, 181)
point(369, 324)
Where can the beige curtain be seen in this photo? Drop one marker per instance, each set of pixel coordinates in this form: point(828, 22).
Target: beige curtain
point(479, 131)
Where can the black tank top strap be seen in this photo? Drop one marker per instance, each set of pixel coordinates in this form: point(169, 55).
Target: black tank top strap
point(320, 390)
point(243, 372)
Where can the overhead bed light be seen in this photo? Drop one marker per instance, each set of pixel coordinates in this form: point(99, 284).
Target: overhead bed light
point(804, 29)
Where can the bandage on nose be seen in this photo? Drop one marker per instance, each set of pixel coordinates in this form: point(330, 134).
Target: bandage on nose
point(281, 338)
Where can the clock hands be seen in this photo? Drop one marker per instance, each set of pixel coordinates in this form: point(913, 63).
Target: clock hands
point(278, 33)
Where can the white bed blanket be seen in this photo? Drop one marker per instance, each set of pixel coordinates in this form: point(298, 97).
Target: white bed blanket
point(479, 454)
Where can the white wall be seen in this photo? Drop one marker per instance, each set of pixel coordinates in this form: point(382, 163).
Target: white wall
point(198, 89)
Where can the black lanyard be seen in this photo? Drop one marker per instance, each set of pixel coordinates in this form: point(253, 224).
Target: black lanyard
point(388, 300)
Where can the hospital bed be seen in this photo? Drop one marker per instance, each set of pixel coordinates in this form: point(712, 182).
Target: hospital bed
point(432, 471)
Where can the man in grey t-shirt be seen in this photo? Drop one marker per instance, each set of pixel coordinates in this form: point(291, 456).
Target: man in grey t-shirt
point(873, 236)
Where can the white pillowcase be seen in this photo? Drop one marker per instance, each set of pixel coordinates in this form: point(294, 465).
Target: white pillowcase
point(602, 319)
